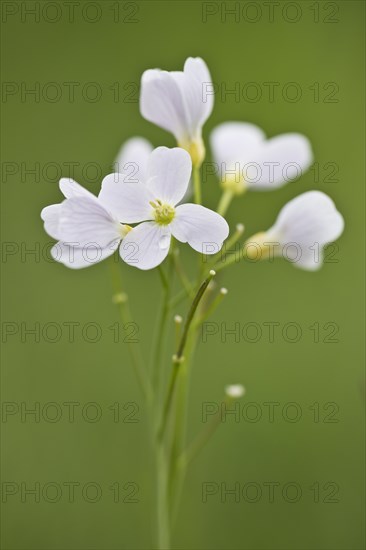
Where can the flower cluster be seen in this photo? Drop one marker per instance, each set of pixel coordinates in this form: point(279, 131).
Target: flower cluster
point(140, 213)
point(142, 209)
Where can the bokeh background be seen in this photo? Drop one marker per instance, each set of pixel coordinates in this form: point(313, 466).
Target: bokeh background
point(319, 47)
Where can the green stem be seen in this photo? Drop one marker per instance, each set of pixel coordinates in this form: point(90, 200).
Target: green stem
point(178, 470)
point(163, 277)
point(228, 260)
point(163, 521)
point(239, 230)
point(181, 273)
point(169, 397)
point(229, 244)
point(211, 309)
point(197, 185)
point(192, 311)
point(178, 358)
point(160, 338)
point(178, 298)
point(225, 200)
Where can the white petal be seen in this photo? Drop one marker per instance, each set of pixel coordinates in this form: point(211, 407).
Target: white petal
point(78, 258)
point(84, 221)
point(277, 161)
point(127, 201)
point(51, 216)
point(310, 260)
point(197, 91)
point(203, 229)
point(232, 142)
point(146, 245)
point(132, 159)
point(310, 221)
point(161, 102)
point(70, 188)
point(169, 171)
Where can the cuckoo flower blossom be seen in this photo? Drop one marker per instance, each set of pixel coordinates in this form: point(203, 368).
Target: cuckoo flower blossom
point(153, 203)
point(180, 102)
point(87, 232)
point(303, 227)
point(247, 160)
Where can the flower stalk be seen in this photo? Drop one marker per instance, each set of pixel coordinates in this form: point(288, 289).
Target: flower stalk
point(178, 357)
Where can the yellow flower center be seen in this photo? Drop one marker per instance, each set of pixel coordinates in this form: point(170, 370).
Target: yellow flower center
point(163, 212)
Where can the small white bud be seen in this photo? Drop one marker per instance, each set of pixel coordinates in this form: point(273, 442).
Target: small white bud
point(223, 291)
point(178, 319)
point(212, 273)
point(235, 391)
point(240, 227)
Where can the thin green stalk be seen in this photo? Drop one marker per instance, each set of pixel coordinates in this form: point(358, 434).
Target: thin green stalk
point(178, 467)
point(169, 397)
point(212, 307)
point(239, 230)
point(163, 277)
point(192, 312)
point(178, 358)
point(197, 185)
point(178, 327)
point(160, 337)
point(228, 260)
point(163, 516)
point(228, 245)
point(181, 274)
point(225, 201)
point(120, 298)
point(177, 474)
point(178, 299)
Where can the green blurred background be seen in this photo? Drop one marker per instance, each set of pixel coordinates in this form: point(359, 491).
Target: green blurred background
point(323, 45)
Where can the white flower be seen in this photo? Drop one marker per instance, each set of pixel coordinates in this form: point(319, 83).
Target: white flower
point(180, 102)
point(87, 232)
point(246, 159)
point(132, 158)
point(154, 204)
point(132, 161)
point(303, 227)
point(235, 391)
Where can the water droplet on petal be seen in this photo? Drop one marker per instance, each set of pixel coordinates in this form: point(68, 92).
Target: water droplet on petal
point(164, 242)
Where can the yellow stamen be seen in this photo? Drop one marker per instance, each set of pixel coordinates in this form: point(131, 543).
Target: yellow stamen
point(163, 213)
